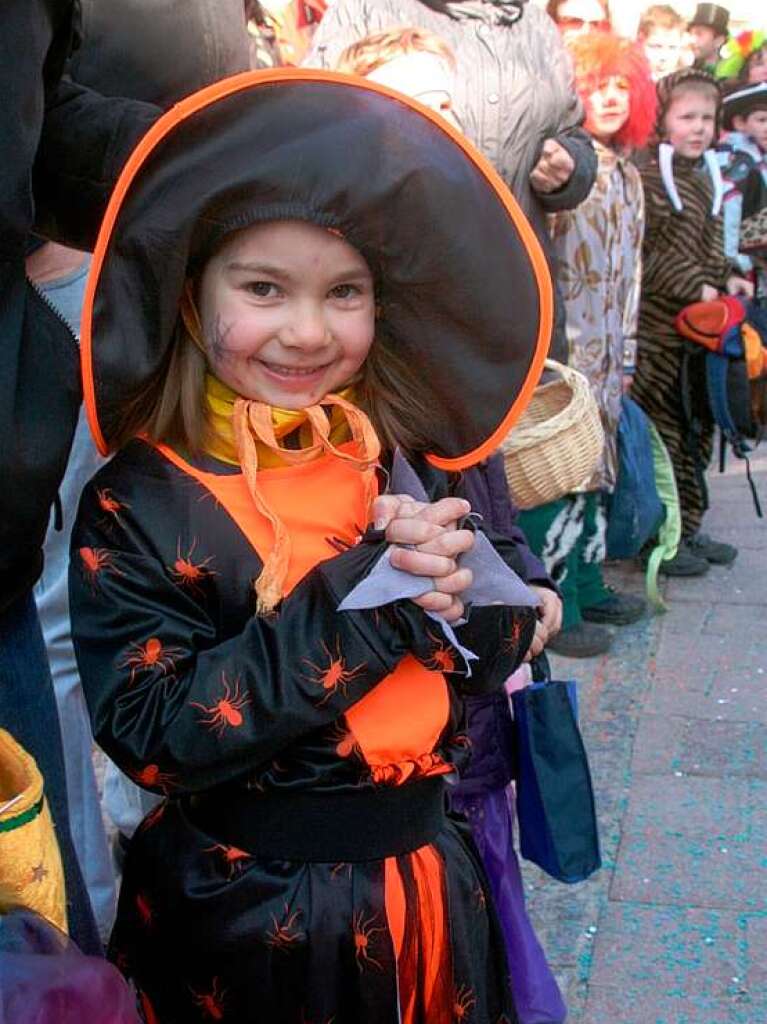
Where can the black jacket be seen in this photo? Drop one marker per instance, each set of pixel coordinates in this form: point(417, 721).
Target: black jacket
point(63, 148)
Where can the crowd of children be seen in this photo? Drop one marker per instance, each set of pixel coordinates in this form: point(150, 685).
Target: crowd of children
point(267, 336)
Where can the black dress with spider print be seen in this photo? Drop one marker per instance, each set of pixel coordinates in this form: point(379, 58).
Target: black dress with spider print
point(301, 869)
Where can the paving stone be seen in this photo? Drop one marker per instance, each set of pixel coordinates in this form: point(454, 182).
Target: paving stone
point(738, 584)
point(658, 744)
point(613, 1006)
point(692, 806)
point(724, 749)
point(675, 951)
point(686, 870)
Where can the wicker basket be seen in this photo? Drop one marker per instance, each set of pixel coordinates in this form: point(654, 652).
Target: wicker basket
point(556, 444)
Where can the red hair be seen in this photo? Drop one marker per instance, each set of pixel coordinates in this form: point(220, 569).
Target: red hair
point(600, 55)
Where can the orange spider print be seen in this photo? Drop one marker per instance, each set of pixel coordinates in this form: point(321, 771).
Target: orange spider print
point(441, 659)
point(188, 573)
point(511, 643)
point(342, 868)
point(285, 936)
point(211, 1003)
point(334, 676)
point(145, 910)
point(95, 561)
point(109, 504)
point(151, 776)
point(481, 899)
point(364, 930)
point(150, 655)
point(463, 1002)
point(232, 856)
point(226, 711)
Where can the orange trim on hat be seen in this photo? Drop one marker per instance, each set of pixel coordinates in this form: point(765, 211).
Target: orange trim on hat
point(228, 87)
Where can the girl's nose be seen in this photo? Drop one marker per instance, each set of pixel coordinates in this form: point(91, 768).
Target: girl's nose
point(307, 329)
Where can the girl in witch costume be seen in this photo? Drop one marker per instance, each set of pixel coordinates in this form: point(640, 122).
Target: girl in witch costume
point(683, 262)
point(298, 273)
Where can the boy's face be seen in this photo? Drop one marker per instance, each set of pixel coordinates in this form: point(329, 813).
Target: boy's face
point(607, 107)
point(757, 67)
point(663, 48)
point(705, 43)
point(288, 313)
point(755, 125)
point(423, 76)
point(689, 123)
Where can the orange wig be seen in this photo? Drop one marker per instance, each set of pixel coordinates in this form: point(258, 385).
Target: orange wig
point(601, 55)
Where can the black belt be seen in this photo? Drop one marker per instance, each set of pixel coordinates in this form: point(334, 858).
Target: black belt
point(313, 826)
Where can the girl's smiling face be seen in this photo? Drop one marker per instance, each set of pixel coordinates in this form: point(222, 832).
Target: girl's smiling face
point(288, 313)
point(689, 122)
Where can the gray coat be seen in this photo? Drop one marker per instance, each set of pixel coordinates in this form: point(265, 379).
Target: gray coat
point(514, 86)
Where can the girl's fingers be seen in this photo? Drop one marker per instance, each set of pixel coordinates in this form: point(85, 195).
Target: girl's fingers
point(450, 543)
point(412, 561)
point(387, 507)
point(445, 512)
point(450, 608)
point(434, 602)
point(413, 531)
point(455, 583)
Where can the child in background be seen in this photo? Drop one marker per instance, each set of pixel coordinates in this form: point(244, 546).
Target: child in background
point(744, 58)
point(411, 60)
point(598, 257)
point(270, 328)
point(684, 262)
point(662, 34)
point(743, 158)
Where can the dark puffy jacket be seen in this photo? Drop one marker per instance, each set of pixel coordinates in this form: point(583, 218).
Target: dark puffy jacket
point(75, 143)
point(63, 148)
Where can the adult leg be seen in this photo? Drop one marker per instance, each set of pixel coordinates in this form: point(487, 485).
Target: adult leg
point(28, 712)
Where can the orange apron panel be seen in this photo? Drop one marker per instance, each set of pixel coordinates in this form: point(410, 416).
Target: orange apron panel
point(400, 721)
point(317, 501)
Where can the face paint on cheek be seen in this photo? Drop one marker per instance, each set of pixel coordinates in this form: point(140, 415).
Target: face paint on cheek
point(216, 337)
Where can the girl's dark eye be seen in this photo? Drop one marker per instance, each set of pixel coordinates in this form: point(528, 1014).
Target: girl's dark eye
point(261, 289)
point(345, 291)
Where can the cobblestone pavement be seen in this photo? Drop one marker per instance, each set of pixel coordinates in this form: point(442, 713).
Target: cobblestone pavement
point(673, 929)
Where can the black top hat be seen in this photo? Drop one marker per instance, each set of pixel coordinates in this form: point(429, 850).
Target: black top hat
point(713, 16)
point(742, 100)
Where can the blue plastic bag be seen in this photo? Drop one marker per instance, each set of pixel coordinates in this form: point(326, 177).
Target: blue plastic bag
point(555, 799)
point(634, 511)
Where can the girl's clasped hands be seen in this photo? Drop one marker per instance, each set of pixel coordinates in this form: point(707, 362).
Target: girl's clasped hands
point(427, 541)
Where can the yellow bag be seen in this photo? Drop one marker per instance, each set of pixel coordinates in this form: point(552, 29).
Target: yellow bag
point(31, 874)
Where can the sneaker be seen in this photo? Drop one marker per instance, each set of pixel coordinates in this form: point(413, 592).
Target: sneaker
point(585, 640)
point(684, 563)
point(714, 551)
point(616, 610)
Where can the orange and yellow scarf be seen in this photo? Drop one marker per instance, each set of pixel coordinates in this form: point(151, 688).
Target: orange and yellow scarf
point(248, 433)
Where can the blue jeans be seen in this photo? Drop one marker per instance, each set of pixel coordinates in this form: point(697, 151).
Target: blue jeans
point(28, 712)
